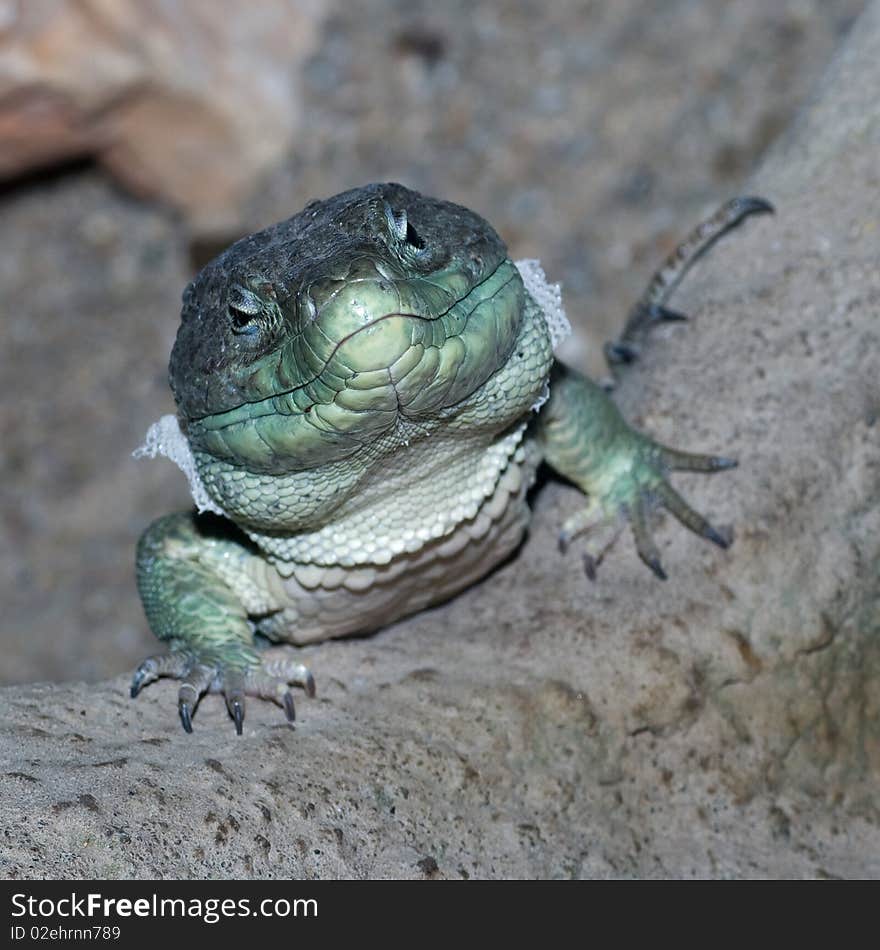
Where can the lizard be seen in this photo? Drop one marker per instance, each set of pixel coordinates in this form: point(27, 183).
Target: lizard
point(364, 394)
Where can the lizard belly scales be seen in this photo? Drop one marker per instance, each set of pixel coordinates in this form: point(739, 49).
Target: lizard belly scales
point(324, 601)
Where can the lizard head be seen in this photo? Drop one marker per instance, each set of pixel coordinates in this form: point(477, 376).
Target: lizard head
point(307, 342)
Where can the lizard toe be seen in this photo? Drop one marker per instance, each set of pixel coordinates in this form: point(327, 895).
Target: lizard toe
point(269, 675)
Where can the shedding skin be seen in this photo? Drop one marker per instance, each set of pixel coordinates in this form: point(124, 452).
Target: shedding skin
point(320, 367)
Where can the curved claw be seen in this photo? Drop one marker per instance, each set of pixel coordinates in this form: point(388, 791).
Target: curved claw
point(309, 685)
point(647, 314)
point(154, 667)
point(185, 715)
point(238, 713)
point(691, 519)
point(590, 566)
point(138, 681)
point(286, 668)
point(748, 204)
point(659, 314)
point(645, 545)
point(273, 685)
point(617, 353)
point(676, 461)
point(233, 692)
point(196, 681)
point(601, 532)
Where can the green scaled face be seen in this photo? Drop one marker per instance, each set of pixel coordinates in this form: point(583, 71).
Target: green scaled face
point(305, 343)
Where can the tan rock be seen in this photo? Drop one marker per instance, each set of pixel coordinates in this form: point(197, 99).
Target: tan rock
point(189, 102)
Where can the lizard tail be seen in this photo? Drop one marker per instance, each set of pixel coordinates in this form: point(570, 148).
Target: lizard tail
point(651, 306)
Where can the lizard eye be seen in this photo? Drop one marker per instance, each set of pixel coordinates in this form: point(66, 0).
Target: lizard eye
point(402, 229)
point(412, 237)
point(242, 322)
point(244, 308)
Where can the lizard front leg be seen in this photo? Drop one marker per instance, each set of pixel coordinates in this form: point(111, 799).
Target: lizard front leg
point(202, 593)
point(584, 437)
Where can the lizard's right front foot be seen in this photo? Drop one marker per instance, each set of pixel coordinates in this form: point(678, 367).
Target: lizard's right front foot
point(194, 581)
point(267, 675)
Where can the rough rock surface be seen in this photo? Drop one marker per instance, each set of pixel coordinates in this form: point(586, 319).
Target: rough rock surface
point(723, 723)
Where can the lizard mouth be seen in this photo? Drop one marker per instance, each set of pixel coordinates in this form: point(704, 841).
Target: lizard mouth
point(344, 376)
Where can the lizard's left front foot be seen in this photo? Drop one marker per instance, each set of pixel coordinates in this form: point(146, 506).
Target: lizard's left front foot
point(628, 486)
point(623, 473)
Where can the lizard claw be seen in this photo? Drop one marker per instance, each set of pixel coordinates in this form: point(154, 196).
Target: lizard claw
point(183, 708)
point(268, 676)
point(632, 496)
point(617, 353)
point(645, 546)
point(150, 669)
point(235, 704)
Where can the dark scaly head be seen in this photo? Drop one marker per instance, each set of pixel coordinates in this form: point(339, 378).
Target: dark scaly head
point(304, 343)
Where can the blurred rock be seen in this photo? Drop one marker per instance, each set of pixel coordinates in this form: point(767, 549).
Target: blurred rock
point(188, 102)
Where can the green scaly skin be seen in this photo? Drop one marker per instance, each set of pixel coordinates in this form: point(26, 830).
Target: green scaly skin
point(357, 386)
